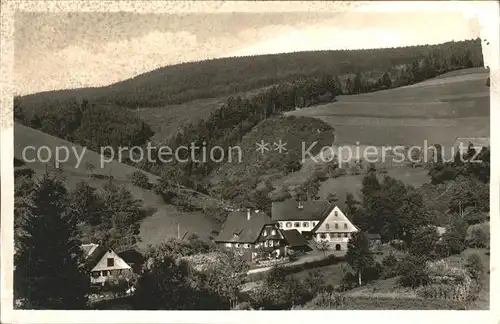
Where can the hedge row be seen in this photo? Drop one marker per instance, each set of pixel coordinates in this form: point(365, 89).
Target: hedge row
point(377, 303)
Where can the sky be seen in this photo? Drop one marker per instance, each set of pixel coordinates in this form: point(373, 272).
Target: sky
point(70, 50)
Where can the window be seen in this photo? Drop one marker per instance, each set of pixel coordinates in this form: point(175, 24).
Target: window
point(305, 224)
point(111, 262)
point(271, 243)
point(289, 224)
point(322, 235)
point(237, 245)
point(264, 233)
point(265, 244)
point(346, 234)
point(277, 243)
point(228, 244)
point(336, 213)
point(273, 232)
point(332, 235)
point(336, 226)
point(327, 226)
point(95, 274)
point(296, 224)
point(314, 223)
point(345, 225)
point(278, 225)
point(245, 245)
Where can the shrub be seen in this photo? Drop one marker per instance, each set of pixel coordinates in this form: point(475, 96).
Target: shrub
point(441, 249)
point(390, 266)
point(436, 291)
point(441, 272)
point(454, 237)
point(474, 266)
point(279, 292)
point(413, 272)
point(479, 236)
point(321, 175)
point(475, 217)
point(445, 291)
point(339, 172)
point(243, 306)
point(140, 179)
point(325, 301)
point(372, 273)
point(424, 242)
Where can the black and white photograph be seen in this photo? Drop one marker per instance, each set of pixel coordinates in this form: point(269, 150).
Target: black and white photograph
point(248, 156)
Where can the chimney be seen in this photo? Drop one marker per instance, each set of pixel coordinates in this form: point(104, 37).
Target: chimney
point(301, 205)
point(249, 214)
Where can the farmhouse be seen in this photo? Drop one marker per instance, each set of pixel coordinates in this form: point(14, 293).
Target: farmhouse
point(301, 216)
point(335, 228)
point(104, 263)
point(249, 233)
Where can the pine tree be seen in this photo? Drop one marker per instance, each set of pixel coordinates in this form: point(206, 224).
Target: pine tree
point(351, 206)
point(386, 80)
point(125, 212)
point(86, 204)
point(49, 272)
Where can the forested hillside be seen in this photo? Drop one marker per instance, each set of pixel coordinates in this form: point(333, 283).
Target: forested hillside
point(206, 79)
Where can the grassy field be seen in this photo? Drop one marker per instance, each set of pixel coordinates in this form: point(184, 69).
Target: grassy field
point(163, 219)
point(437, 110)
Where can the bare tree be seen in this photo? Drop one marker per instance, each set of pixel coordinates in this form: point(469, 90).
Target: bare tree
point(323, 246)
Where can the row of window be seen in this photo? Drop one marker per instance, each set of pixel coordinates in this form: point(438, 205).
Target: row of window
point(327, 226)
point(105, 273)
point(334, 235)
point(306, 224)
point(268, 243)
point(297, 224)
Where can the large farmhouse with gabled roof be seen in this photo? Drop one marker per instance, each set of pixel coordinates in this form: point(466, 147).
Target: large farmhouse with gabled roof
point(249, 231)
point(317, 220)
point(298, 215)
point(335, 228)
point(293, 223)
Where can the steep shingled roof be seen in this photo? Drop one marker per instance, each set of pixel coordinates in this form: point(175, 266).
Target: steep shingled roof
point(289, 210)
point(294, 238)
point(239, 229)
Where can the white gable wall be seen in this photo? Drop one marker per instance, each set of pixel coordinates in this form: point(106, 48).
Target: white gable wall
point(336, 229)
point(119, 264)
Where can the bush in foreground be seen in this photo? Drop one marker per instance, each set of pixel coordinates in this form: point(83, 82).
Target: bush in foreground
point(140, 180)
point(325, 301)
point(413, 272)
point(474, 266)
point(479, 236)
